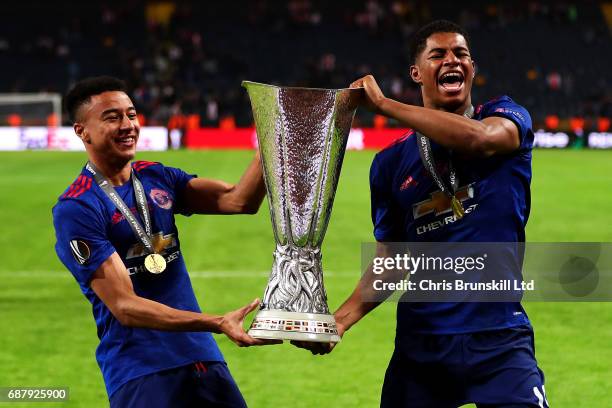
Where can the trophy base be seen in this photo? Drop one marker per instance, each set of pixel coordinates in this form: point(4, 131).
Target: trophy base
point(282, 325)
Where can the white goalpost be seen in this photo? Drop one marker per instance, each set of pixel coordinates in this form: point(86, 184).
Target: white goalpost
point(32, 108)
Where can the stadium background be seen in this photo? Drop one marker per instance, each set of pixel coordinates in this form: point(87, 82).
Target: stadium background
point(184, 62)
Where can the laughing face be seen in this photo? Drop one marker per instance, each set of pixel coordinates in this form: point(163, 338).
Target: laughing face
point(445, 71)
point(109, 127)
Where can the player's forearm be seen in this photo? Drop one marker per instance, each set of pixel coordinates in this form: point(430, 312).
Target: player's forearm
point(450, 130)
point(371, 290)
point(207, 196)
point(248, 194)
point(363, 300)
point(353, 310)
point(136, 311)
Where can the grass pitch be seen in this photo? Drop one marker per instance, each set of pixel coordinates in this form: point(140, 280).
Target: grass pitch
point(48, 335)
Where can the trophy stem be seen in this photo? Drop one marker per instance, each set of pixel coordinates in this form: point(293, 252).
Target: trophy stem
point(294, 305)
point(296, 281)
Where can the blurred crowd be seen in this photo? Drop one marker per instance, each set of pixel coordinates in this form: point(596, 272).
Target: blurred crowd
point(184, 60)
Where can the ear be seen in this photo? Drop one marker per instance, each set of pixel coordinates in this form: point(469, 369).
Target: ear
point(475, 68)
point(415, 74)
point(80, 131)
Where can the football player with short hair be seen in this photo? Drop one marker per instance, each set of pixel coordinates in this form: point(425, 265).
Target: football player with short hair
point(116, 233)
point(451, 353)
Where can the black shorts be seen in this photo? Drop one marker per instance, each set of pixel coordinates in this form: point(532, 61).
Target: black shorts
point(492, 369)
point(203, 384)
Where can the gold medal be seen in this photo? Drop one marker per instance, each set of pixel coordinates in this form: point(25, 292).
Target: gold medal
point(457, 207)
point(155, 263)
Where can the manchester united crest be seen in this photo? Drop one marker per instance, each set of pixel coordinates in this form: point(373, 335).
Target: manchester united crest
point(161, 198)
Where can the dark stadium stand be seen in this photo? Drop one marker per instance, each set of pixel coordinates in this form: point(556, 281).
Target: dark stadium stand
point(188, 57)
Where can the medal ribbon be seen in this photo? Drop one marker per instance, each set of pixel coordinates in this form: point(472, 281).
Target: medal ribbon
point(430, 165)
point(428, 161)
point(143, 234)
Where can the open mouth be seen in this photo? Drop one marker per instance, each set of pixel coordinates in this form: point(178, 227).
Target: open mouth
point(451, 81)
point(126, 141)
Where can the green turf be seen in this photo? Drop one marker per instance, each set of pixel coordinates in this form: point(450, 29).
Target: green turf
point(48, 335)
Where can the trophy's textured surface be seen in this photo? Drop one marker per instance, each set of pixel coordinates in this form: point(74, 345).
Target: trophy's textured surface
point(296, 281)
point(302, 135)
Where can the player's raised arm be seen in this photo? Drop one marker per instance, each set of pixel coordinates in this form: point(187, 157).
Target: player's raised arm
point(206, 196)
point(113, 286)
point(454, 131)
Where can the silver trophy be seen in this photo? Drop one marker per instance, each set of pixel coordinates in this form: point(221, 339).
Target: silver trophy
point(302, 135)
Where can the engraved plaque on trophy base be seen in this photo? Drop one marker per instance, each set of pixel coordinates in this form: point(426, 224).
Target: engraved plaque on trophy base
point(278, 324)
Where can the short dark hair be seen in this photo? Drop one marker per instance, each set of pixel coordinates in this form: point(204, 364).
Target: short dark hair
point(419, 39)
point(83, 90)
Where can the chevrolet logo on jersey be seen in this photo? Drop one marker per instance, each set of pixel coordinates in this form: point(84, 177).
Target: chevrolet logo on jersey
point(160, 242)
point(440, 203)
